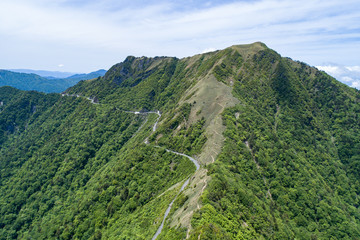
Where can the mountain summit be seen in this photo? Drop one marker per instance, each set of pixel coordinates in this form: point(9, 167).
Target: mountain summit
point(234, 144)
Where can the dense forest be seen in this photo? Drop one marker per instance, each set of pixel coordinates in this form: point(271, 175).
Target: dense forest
point(278, 144)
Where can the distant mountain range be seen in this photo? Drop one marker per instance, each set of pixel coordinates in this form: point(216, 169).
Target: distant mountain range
point(86, 76)
point(45, 73)
point(44, 81)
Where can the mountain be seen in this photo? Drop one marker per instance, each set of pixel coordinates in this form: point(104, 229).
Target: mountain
point(26, 81)
point(87, 76)
point(32, 81)
point(277, 143)
point(44, 73)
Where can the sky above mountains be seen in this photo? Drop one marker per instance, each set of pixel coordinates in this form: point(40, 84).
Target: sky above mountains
point(85, 35)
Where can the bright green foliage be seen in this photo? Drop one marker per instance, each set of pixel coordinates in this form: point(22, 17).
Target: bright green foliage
point(79, 169)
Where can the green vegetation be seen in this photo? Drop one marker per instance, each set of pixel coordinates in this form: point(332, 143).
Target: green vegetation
point(228, 66)
point(21, 108)
point(78, 169)
point(176, 134)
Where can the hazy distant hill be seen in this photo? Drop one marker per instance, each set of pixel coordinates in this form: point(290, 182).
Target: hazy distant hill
point(44, 73)
point(86, 76)
point(278, 144)
point(26, 81)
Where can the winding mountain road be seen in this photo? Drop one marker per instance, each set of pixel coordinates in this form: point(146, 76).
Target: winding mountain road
point(196, 163)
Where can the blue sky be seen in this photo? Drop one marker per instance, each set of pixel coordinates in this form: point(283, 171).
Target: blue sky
point(85, 35)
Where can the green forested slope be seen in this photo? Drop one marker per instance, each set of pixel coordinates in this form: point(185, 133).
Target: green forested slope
point(289, 164)
point(19, 108)
point(286, 166)
point(75, 163)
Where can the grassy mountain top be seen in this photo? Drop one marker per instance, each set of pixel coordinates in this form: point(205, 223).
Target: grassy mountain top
point(277, 141)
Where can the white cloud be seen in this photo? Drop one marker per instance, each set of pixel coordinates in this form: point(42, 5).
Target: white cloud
point(354, 69)
point(356, 84)
point(61, 65)
point(349, 75)
point(314, 31)
point(332, 70)
point(347, 79)
point(206, 50)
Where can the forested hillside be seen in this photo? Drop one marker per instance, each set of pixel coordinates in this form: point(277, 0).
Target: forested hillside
point(278, 144)
point(25, 81)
